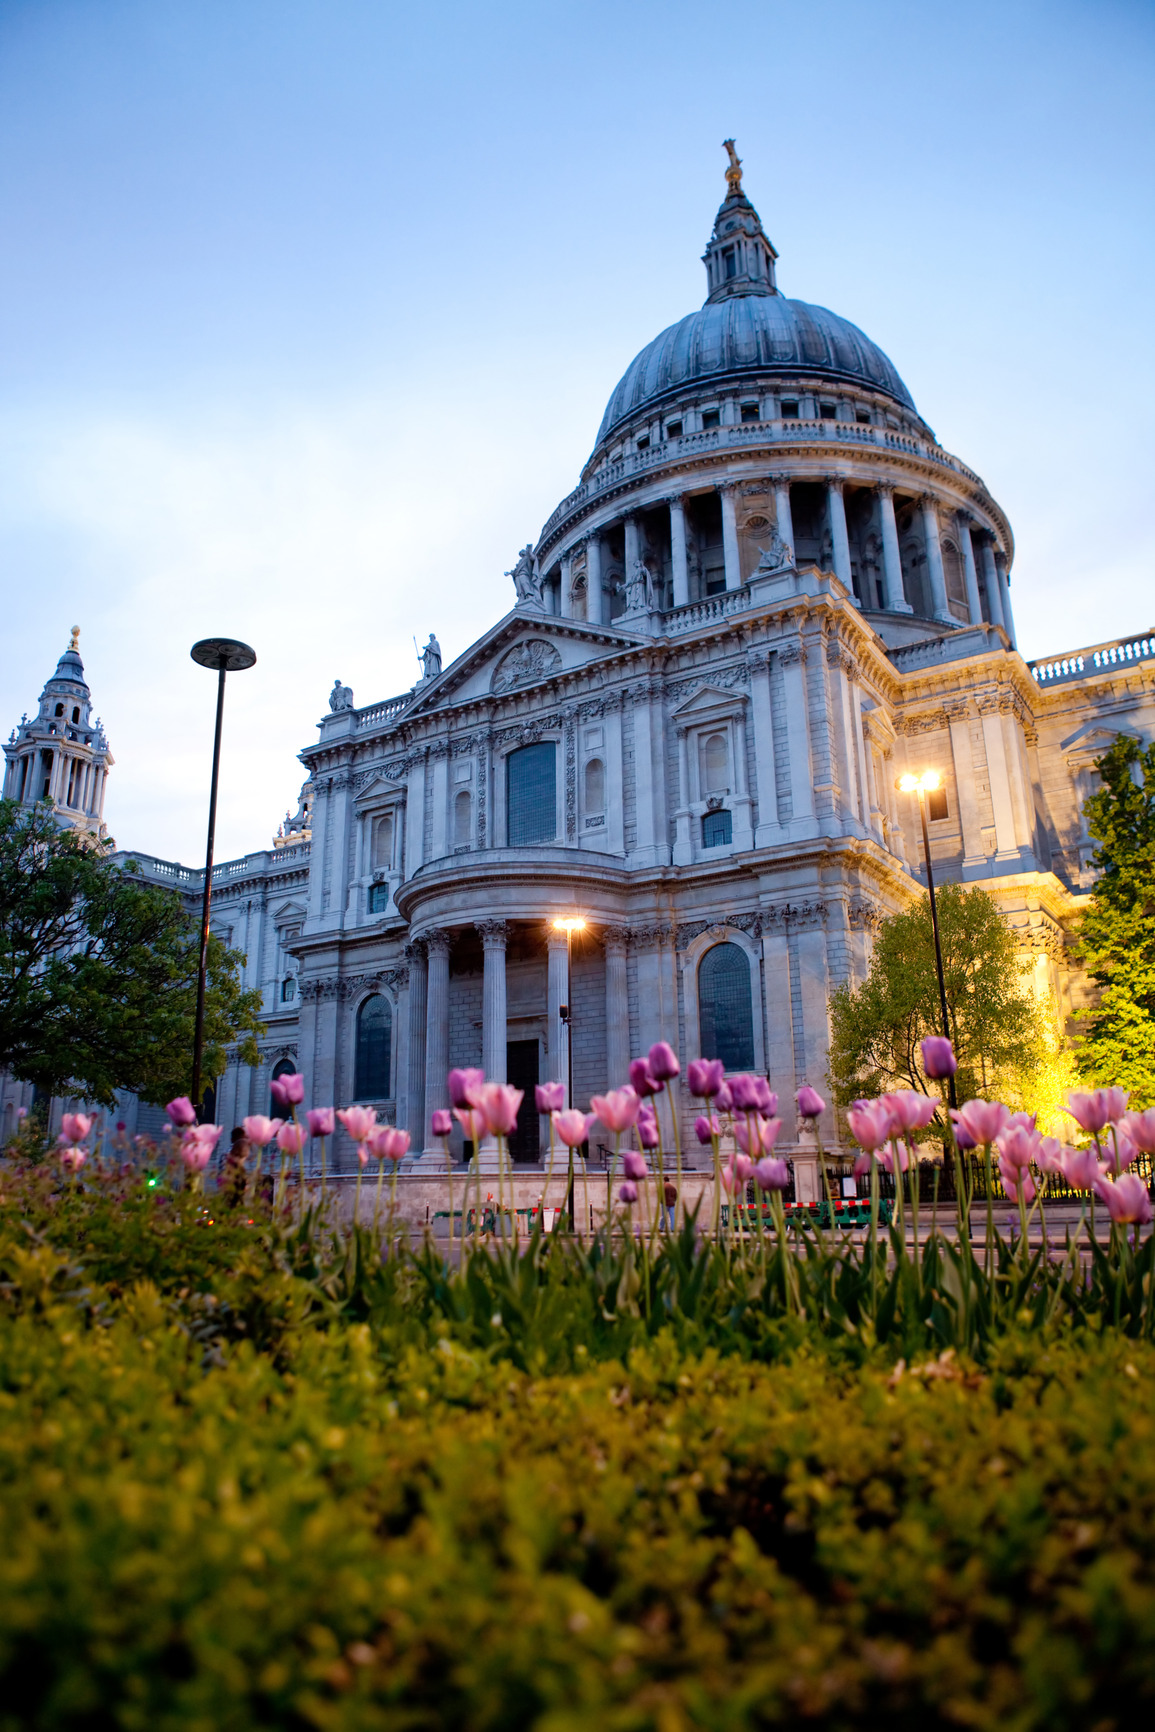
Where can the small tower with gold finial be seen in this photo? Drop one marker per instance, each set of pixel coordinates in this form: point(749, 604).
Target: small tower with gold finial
point(739, 258)
point(61, 755)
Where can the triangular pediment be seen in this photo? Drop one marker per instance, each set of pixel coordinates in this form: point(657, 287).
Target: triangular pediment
point(1095, 734)
point(523, 650)
point(379, 789)
point(709, 701)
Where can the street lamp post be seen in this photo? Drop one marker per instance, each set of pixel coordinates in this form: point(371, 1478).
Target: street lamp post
point(569, 924)
point(227, 656)
point(922, 786)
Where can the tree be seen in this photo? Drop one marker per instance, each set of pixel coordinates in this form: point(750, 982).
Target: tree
point(98, 971)
point(998, 1029)
point(1117, 936)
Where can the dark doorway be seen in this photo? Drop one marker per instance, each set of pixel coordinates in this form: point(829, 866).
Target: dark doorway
point(521, 1071)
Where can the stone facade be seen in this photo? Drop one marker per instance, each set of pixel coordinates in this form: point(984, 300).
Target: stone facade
point(771, 594)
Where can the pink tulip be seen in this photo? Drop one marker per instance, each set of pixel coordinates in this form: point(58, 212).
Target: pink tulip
point(21, 1114)
point(363, 1154)
point(1127, 1199)
point(463, 1085)
point(358, 1121)
point(1081, 1169)
point(642, 1079)
point(1118, 1152)
point(197, 1146)
point(498, 1103)
point(724, 1100)
point(1140, 1127)
point(573, 1127)
point(983, 1120)
point(663, 1061)
point(549, 1097)
point(729, 1179)
point(1016, 1179)
point(73, 1157)
point(705, 1076)
point(472, 1123)
point(627, 1191)
point(1018, 1146)
point(706, 1129)
point(1049, 1155)
point(772, 1175)
point(392, 1144)
point(1026, 1120)
point(74, 1127)
point(809, 1102)
point(441, 1123)
point(911, 1110)
point(871, 1124)
point(261, 1130)
point(746, 1094)
point(896, 1151)
point(862, 1164)
point(288, 1090)
point(938, 1060)
point(291, 1139)
point(743, 1167)
point(322, 1121)
point(767, 1099)
point(761, 1140)
point(1100, 1107)
point(181, 1111)
point(634, 1165)
point(963, 1138)
point(647, 1127)
point(618, 1109)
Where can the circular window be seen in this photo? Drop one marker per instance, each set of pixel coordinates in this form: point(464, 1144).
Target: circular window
point(757, 525)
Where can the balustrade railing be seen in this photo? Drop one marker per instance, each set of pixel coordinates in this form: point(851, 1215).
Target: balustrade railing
point(1100, 658)
point(373, 715)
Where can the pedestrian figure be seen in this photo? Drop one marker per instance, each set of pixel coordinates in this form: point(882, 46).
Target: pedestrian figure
point(670, 1193)
point(232, 1179)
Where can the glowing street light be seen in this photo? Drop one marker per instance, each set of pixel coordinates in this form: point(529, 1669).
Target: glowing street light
point(927, 783)
point(569, 924)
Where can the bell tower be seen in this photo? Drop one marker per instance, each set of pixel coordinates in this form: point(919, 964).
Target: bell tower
point(739, 258)
point(61, 755)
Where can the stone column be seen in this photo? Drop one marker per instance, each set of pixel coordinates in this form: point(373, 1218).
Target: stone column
point(439, 777)
point(683, 817)
point(939, 603)
point(783, 516)
point(633, 546)
point(617, 1006)
point(991, 584)
point(964, 781)
point(840, 541)
point(436, 1023)
point(792, 659)
point(557, 994)
point(594, 610)
point(414, 823)
point(974, 602)
point(758, 662)
point(896, 601)
point(565, 600)
point(494, 935)
point(1005, 597)
point(681, 567)
point(730, 537)
point(415, 1079)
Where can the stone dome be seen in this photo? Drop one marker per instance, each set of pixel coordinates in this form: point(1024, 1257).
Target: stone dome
point(753, 333)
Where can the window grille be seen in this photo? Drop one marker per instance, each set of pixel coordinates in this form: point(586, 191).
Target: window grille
point(374, 1044)
point(378, 898)
point(717, 829)
point(725, 1012)
point(531, 795)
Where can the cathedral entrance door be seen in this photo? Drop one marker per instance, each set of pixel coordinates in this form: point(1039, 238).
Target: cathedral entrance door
point(521, 1070)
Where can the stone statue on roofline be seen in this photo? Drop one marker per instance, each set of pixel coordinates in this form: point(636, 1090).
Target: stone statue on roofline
point(525, 580)
point(776, 553)
point(431, 659)
point(640, 589)
point(341, 697)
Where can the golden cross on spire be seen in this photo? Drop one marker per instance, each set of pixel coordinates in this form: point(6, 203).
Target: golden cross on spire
point(734, 172)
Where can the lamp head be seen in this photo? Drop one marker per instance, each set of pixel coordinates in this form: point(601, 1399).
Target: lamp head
point(924, 784)
point(570, 923)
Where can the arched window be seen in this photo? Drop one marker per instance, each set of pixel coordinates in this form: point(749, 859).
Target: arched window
point(956, 583)
point(463, 819)
point(725, 1012)
point(283, 1067)
point(383, 843)
point(595, 786)
point(714, 761)
point(531, 795)
point(374, 1043)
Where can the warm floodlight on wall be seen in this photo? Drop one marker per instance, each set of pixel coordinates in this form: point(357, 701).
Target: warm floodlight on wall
point(928, 782)
point(572, 923)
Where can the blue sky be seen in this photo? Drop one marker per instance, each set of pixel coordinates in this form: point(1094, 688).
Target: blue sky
point(309, 310)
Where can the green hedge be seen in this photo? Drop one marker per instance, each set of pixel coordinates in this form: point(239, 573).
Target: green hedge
point(435, 1539)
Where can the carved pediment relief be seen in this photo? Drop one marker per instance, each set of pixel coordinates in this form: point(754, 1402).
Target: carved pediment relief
point(528, 662)
point(375, 792)
point(709, 703)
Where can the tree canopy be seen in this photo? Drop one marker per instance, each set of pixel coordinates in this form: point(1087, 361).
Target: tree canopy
point(98, 971)
point(996, 1025)
point(1117, 936)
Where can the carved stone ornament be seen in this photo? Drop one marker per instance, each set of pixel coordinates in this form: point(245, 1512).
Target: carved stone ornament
point(657, 933)
point(791, 652)
point(795, 914)
point(531, 660)
point(494, 933)
point(615, 937)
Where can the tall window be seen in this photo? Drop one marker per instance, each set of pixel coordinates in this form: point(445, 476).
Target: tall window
point(717, 829)
point(283, 1067)
point(595, 786)
point(383, 843)
point(462, 819)
point(725, 1012)
point(374, 1043)
point(531, 795)
point(956, 583)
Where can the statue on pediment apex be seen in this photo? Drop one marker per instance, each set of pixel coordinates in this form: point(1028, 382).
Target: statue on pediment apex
point(526, 581)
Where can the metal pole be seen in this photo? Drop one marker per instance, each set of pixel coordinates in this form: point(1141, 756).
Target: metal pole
point(934, 928)
point(569, 1201)
point(206, 901)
